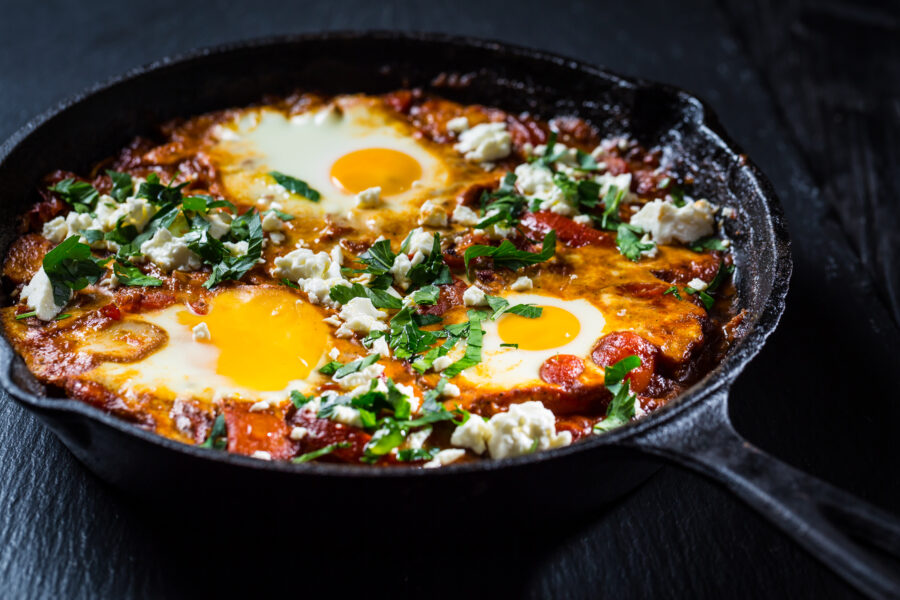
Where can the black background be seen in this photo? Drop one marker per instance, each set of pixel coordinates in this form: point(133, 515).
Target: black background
point(811, 90)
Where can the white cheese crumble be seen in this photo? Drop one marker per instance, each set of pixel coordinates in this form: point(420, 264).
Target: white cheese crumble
point(169, 252)
point(526, 427)
point(200, 332)
point(420, 241)
point(237, 248)
point(298, 433)
point(441, 363)
point(485, 142)
point(698, 284)
point(457, 124)
point(38, 296)
point(522, 284)
point(56, 229)
point(582, 219)
point(451, 390)
point(536, 182)
point(432, 214)
point(347, 415)
point(314, 272)
point(666, 222)
point(259, 406)
point(416, 439)
point(474, 296)
point(370, 198)
point(262, 455)
point(219, 224)
point(271, 222)
point(465, 216)
point(359, 315)
point(444, 457)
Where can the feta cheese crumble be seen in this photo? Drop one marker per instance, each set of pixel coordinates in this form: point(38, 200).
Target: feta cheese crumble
point(525, 428)
point(314, 272)
point(170, 253)
point(666, 222)
point(474, 296)
point(370, 198)
point(522, 284)
point(359, 315)
point(457, 124)
point(465, 216)
point(262, 455)
point(38, 296)
point(485, 142)
point(200, 332)
point(432, 214)
point(444, 457)
point(698, 284)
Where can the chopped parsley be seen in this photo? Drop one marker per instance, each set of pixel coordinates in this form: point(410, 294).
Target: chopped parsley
point(299, 399)
point(629, 243)
point(159, 194)
point(414, 454)
point(674, 291)
point(432, 270)
point(474, 342)
point(297, 186)
point(71, 267)
point(706, 296)
point(427, 295)
point(507, 255)
point(308, 456)
point(357, 365)
point(501, 305)
point(130, 275)
point(708, 243)
point(380, 299)
point(79, 194)
point(584, 193)
point(122, 185)
point(506, 204)
point(217, 435)
point(621, 408)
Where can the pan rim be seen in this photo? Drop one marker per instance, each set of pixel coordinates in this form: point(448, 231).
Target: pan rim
point(715, 383)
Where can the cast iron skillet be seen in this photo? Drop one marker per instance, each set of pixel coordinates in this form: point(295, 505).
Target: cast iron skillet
point(694, 431)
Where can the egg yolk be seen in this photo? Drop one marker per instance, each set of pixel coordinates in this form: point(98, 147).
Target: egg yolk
point(554, 328)
point(265, 337)
point(393, 171)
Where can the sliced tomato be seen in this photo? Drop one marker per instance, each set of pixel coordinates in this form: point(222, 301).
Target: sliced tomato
point(250, 432)
point(620, 344)
point(568, 231)
point(562, 370)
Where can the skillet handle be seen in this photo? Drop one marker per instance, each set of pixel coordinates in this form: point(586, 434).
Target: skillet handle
point(850, 536)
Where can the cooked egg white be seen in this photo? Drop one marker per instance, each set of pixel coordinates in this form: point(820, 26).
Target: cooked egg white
point(564, 327)
point(341, 150)
point(261, 342)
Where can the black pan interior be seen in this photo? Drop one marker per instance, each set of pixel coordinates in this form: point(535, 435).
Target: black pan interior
point(97, 124)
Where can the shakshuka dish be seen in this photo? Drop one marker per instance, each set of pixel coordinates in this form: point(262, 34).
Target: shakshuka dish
point(377, 280)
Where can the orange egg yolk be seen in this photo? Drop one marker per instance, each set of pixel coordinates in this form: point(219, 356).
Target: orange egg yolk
point(393, 171)
point(554, 328)
point(265, 337)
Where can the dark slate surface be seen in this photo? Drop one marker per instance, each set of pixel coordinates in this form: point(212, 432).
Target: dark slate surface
point(809, 90)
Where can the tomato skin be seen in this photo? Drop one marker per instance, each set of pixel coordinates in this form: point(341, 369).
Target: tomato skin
point(249, 432)
point(568, 231)
point(562, 370)
point(620, 344)
point(111, 311)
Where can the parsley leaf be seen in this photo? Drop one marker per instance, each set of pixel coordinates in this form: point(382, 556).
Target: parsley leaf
point(130, 275)
point(674, 291)
point(501, 305)
point(506, 203)
point(629, 243)
point(297, 186)
point(474, 342)
point(414, 454)
point(226, 265)
point(708, 243)
point(280, 214)
point(507, 255)
point(160, 194)
point(70, 266)
point(611, 201)
point(313, 455)
point(428, 294)
point(432, 269)
point(122, 185)
point(331, 368)
point(299, 399)
point(357, 365)
point(219, 431)
point(79, 194)
point(342, 294)
point(621, 408)
point(585, 194)
point(586, 162)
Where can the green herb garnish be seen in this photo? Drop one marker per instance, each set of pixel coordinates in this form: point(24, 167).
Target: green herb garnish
point(308, 456)
point(297, 186)
point(507, 255)
point(621, 408)
point(79, 194)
